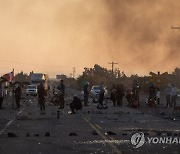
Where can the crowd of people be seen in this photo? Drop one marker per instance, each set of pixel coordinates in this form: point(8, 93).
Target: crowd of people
point(117, 92)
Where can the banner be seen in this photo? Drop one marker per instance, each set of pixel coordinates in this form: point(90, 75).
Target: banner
point(8, 77)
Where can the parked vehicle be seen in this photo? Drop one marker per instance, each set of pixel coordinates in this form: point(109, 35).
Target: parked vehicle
point(31, 90)
point(95, 90)
point(37, 78)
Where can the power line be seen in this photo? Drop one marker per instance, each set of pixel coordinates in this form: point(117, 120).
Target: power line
point(113, 63)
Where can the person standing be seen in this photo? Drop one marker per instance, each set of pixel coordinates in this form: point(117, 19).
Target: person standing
point(101, 93)
point(18, 93)
point(173, 95)
point(61, 89)
point(113, 95)
point(1, 96)
point(86, 93)
point(158, 95)
point(152, 92)
point(168, 95)
point(119, 94)
point(41, 96)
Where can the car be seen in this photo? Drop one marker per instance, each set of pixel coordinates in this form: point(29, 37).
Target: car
point(95, 90)
point(31, 90)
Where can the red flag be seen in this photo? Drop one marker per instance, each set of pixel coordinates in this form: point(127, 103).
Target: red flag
point(9, 76)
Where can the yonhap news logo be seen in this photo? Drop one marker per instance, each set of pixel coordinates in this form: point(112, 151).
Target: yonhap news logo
point(138, 140)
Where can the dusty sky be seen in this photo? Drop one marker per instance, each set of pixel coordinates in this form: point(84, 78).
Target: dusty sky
point(53, 36)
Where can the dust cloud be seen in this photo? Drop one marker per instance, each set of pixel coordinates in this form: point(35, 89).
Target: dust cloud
point(57, 35)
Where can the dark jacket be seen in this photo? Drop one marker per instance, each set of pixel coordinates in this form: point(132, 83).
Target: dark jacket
point(41, 92)
point(77, 103)
point(18, 91)
point(61, 88)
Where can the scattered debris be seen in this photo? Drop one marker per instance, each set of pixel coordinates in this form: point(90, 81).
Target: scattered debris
point(27, 134)
point(69, 112)
point(168, 118)
point(174, 119)
point(110, 133)
point(162, 113)
point(72, 134)
point(36, 135)
point(104, 106)
point(94, 132)
point(11, 135)
point(47, 134)
point(169, 134)
point(158, 133)
point(58, 114)
point(175, 134)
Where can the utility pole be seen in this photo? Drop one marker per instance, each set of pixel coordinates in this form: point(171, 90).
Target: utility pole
point(74, 70)
point(118, 73)
point(113, 63)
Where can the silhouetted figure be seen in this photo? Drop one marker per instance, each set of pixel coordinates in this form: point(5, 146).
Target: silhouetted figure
point(152, 92)
point(18, 93)
point(101, 93)
point(61, 89)
point(119, 94)
point(41, 96)
point(152, 96)
point(113, 95)
point(129, 96)
point(86, 93)
point(158, 95)
point(136, 89)
point(168, 95)
point(76, 104)
point(1, 96)
point(173, 95)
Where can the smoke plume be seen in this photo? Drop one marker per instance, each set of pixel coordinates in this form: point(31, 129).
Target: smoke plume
point(62, 34)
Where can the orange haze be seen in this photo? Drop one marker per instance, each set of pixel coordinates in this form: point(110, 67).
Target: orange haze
point(53, 36)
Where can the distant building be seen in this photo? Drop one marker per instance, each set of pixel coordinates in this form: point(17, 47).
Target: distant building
point(63, 77)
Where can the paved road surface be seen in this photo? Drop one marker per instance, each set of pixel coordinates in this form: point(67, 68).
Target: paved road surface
point(92, 127)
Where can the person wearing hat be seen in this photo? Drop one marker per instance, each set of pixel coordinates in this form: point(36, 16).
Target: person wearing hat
point(76, 104)
point(168, 94)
